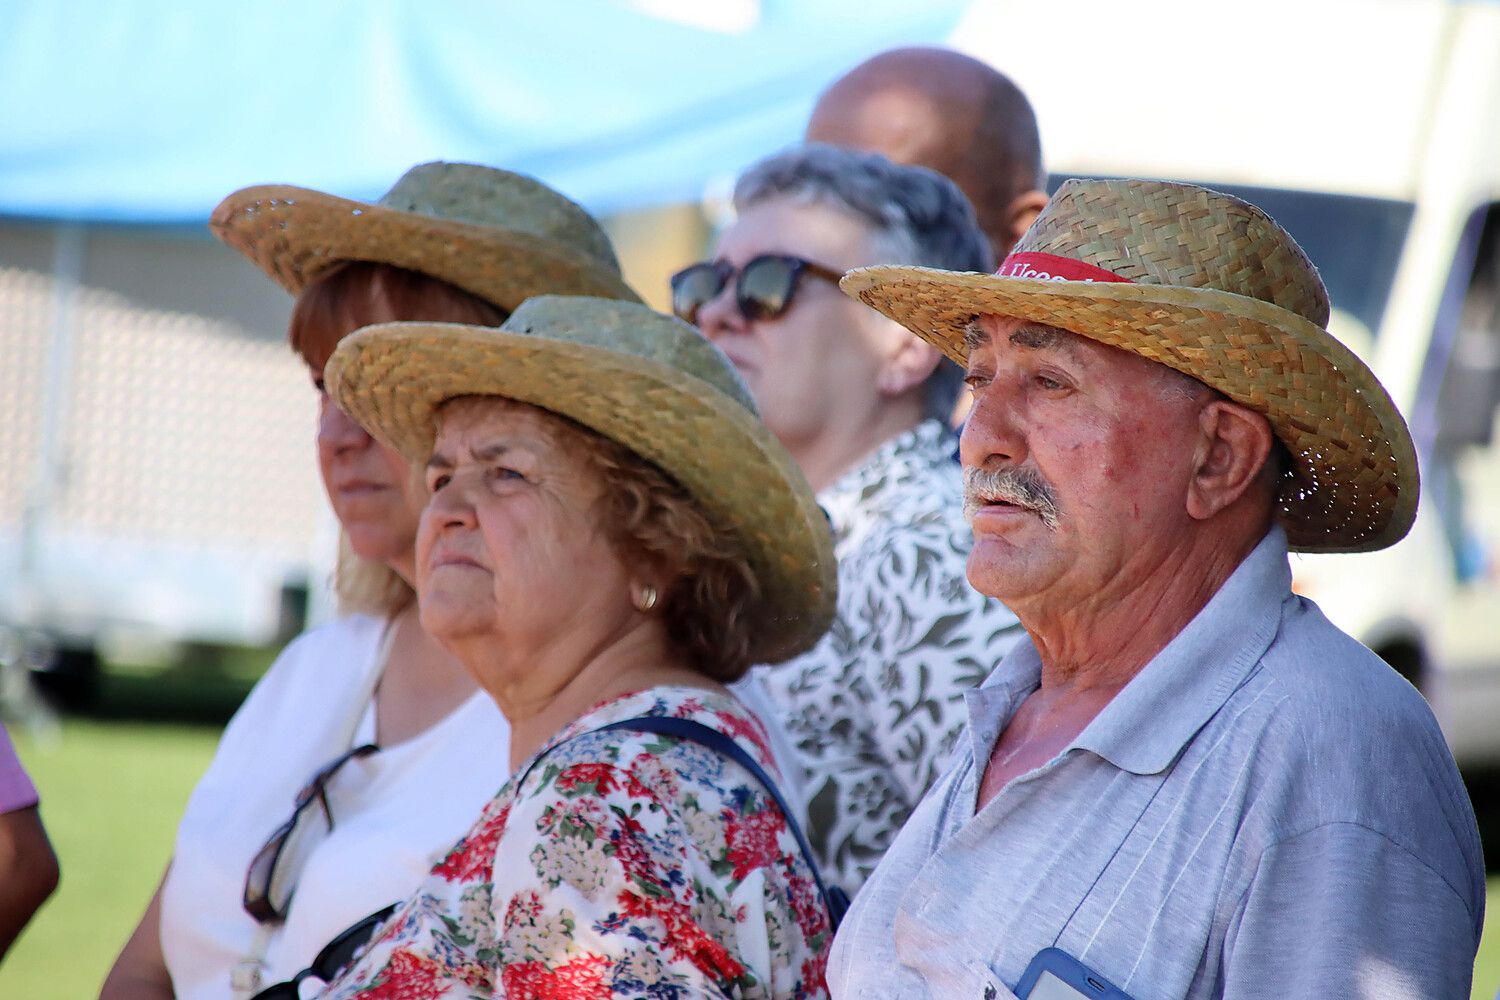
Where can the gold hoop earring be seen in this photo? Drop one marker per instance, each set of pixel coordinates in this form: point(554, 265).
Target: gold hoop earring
point(647, 600)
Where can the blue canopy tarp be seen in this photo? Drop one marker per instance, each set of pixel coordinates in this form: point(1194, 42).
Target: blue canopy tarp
point(152, 110)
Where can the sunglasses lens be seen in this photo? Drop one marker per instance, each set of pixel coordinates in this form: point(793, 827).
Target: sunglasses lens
point(765, 287)
point(339, 952)
point(693, 288)
point(272, 875)
point(257, 897)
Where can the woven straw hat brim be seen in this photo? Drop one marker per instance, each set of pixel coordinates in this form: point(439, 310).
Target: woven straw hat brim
point(294, 234)
point(1356, 483)
point(391, 378)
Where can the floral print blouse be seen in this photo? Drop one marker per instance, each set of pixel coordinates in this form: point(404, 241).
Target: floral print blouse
point(625, 865)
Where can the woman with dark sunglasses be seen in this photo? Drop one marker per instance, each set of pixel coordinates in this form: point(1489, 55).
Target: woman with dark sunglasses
point(301, 827)
point(867, 716)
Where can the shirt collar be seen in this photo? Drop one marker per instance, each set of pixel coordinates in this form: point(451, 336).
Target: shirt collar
point(991, 705)
point(1146, 726)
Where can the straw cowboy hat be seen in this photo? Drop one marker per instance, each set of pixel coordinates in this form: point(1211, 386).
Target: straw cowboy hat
point(1211, 286)
point(500, 235)
point(649, 382)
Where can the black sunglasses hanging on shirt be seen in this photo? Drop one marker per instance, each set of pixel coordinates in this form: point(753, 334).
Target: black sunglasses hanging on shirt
point(332, 960)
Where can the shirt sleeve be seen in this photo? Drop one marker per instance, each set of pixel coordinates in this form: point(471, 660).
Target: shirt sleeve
point(1342, 911)
point(16, 789)
point(636, 886)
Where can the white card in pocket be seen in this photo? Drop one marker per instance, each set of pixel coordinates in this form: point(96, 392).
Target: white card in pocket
point(985, 985)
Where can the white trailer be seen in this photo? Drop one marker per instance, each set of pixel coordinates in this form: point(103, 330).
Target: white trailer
point(157, 477)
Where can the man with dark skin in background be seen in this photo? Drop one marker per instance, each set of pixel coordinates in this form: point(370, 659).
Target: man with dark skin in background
point(952, 113)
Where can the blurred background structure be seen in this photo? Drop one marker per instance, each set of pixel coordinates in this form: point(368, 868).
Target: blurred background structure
point(159, 509)
point(156, 482)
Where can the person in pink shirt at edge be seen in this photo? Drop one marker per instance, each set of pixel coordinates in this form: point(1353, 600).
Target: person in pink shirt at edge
point(28, 867)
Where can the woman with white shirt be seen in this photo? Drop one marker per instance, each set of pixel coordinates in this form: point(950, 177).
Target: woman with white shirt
point(366, 749)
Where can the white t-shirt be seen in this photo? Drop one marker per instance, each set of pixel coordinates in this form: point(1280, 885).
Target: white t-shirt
point(396, 812)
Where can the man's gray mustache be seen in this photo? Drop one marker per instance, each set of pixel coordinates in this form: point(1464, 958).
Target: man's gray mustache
point(1022, 487)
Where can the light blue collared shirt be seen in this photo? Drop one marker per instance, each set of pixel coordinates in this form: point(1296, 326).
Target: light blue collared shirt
point(1265, 810)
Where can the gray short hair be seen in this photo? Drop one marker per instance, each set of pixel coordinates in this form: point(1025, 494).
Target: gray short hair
point(917, 215)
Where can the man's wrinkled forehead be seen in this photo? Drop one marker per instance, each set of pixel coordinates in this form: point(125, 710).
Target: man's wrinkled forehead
point(988, 328)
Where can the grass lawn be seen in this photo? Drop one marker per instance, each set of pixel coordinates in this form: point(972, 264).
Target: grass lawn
point(111, 796)
point(1487, 965)
point(112, 793)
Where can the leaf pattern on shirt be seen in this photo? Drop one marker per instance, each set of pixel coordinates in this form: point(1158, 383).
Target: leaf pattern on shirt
point(875, 707)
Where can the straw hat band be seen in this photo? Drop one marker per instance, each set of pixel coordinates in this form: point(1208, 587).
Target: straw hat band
point(1051, 267)
point(1187, 237)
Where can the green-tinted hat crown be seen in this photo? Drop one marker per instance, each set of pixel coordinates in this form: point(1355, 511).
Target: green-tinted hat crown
point(485, 196)
point(630, 328)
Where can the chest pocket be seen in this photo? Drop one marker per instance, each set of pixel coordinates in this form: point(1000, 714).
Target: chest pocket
point(1147, 920)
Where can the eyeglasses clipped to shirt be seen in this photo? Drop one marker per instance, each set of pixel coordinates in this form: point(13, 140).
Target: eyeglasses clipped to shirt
point(272, 876)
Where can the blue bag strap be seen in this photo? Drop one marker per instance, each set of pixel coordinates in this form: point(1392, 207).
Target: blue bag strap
point(835, 899)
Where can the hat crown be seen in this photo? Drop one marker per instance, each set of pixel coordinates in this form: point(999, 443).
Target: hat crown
point(1160, 233)
point(634, 329)
point(485, 196)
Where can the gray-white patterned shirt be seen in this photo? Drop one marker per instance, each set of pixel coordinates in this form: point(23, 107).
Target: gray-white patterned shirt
point(1266, 810)
point(872, 712)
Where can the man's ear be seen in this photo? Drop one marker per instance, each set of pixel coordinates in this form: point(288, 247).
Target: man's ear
point(1234, 444)
point(1022, 212)
point(907, 365)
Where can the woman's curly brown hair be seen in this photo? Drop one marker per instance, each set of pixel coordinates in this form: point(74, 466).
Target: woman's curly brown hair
point(708, 605)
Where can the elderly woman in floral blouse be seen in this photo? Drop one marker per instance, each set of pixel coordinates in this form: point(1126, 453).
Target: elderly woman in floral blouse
point(611, 534)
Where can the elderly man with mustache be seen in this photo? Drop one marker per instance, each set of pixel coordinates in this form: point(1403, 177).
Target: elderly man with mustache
point(1187, 783)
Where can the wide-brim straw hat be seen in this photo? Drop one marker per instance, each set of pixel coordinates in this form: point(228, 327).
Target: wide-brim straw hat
point(649, 382)
point(502, 236)
point(1211, 286)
